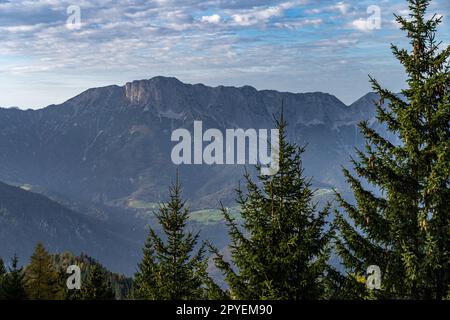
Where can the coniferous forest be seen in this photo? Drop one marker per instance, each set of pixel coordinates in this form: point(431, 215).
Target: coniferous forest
point(285, 246)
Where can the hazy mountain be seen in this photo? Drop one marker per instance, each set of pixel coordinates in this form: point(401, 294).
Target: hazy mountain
point(103, 157)
point(112, 144)
point(26, 218)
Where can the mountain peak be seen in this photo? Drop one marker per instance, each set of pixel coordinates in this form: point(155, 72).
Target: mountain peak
point(158, 80)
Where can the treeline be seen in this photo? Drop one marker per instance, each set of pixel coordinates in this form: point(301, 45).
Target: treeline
point(45, 277)
point(282, 248)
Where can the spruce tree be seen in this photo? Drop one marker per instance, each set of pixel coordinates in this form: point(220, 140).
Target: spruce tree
point(96, 286)
point(41, 277)
point(281, 249)
point(402, 224)
point(170, 268)
point(13, 282)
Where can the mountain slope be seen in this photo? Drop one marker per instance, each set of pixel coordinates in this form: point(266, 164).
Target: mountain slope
point(104, 158)
point(26, 218)
point(112, 144)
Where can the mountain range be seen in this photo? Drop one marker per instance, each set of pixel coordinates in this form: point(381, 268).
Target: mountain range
point(88, 172)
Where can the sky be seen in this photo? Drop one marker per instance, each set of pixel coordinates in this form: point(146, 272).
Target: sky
point(52, 50)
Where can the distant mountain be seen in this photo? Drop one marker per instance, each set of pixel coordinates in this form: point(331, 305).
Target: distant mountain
point(101, 161)
point(27, 218)
point(112, 145)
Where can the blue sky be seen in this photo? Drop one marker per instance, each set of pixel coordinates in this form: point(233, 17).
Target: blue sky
point(289, 45)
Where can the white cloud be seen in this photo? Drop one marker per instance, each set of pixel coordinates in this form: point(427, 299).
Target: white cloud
point(214, 19)
point(244, 19)
point(22, 28)
point(342, 7)
point(361, 25)
point(299, 23)
point(257, 16)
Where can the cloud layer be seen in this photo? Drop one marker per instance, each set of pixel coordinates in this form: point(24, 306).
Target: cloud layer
point(295, 45)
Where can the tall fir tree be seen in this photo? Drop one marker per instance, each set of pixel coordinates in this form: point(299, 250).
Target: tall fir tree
point(281, 249)
point(170, 268)
point(96, 286)
point(41, 277)
point(13, 282)
point(403, 223)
